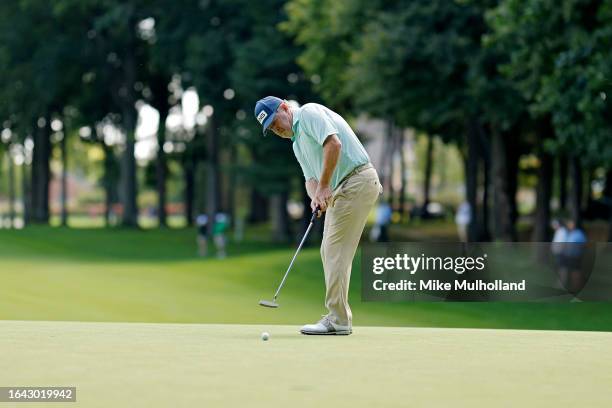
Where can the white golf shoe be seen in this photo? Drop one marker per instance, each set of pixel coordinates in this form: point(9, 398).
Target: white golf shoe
point(326, 327)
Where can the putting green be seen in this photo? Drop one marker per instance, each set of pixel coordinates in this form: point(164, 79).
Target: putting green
point(196, 365)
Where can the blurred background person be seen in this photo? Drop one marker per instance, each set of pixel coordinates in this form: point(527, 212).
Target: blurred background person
point(560, 235)
point(557, 250)
point(463, 219)
point(380, 230)
point(575, 234)
point(574, 250)
point(219, 229)
point(202, 234)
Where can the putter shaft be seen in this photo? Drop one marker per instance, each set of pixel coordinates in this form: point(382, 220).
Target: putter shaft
point(293, 260)
point(312, 220)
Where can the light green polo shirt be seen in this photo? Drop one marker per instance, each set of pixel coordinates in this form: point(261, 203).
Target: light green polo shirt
point(312, 124)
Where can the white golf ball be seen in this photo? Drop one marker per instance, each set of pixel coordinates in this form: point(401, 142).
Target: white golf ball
point(265, 336)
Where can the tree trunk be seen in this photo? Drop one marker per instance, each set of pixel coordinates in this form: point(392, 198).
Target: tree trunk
point(610, 224)
point(471, 181)
point(563, 164)
point(161, 170)
point(212, 174)
point(608, 200)
point(64, 193)
point(541, 231)
point(280, 217)
point(513, 150)
point(427, 178)
point(233, 184)
point(128, 196)
point(41, 173)
point(107, 181)
point(259, 207)
point(158, 85)
point(485, 232)
point(26, 194)
point(129, 116)
point(387, 162)
point(189, 173)
point(402, 193)
point(503, 228)
point(575, 203)
point(34, 180)
point(2, 173)
point(11, 186)
point(589, 201)
point(485, 153)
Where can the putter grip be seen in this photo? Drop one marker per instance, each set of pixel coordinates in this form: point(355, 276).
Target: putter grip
point(314, 214)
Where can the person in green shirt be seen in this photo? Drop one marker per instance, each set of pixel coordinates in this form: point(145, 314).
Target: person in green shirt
point(340, 180)
point(219, 227)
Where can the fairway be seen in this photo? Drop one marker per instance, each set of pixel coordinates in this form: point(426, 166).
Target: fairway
point(154, 277)
point(188, 365)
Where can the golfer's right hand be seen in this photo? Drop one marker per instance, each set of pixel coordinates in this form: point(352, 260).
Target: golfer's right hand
point(321, 199)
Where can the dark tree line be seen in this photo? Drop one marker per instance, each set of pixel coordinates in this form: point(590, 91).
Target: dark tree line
point(501, 79)
point(88, 63)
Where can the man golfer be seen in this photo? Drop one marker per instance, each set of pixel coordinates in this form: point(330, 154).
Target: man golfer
point(339, 180)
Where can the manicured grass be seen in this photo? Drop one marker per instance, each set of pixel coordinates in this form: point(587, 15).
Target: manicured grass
point(202, 365)
point(154, 276)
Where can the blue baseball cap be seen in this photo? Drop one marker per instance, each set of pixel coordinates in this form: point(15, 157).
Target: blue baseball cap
point(265, 111)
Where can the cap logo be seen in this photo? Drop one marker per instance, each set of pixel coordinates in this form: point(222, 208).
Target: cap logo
point(262, 116)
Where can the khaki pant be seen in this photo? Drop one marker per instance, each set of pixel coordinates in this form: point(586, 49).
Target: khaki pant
point(344, 222)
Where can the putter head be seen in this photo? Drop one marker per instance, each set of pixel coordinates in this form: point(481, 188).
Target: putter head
point(268, 303)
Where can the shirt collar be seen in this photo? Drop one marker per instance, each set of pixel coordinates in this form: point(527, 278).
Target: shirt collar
point(296, 120)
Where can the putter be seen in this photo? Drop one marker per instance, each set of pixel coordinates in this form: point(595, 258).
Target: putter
point(272, 303)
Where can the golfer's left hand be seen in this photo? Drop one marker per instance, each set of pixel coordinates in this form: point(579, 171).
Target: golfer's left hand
point(321, 199)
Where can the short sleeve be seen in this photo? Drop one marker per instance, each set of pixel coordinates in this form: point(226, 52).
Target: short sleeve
point(317, 124)
point(308, 174)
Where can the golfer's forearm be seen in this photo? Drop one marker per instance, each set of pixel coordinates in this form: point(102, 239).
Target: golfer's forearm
point(331, 153)
point(311, 187)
